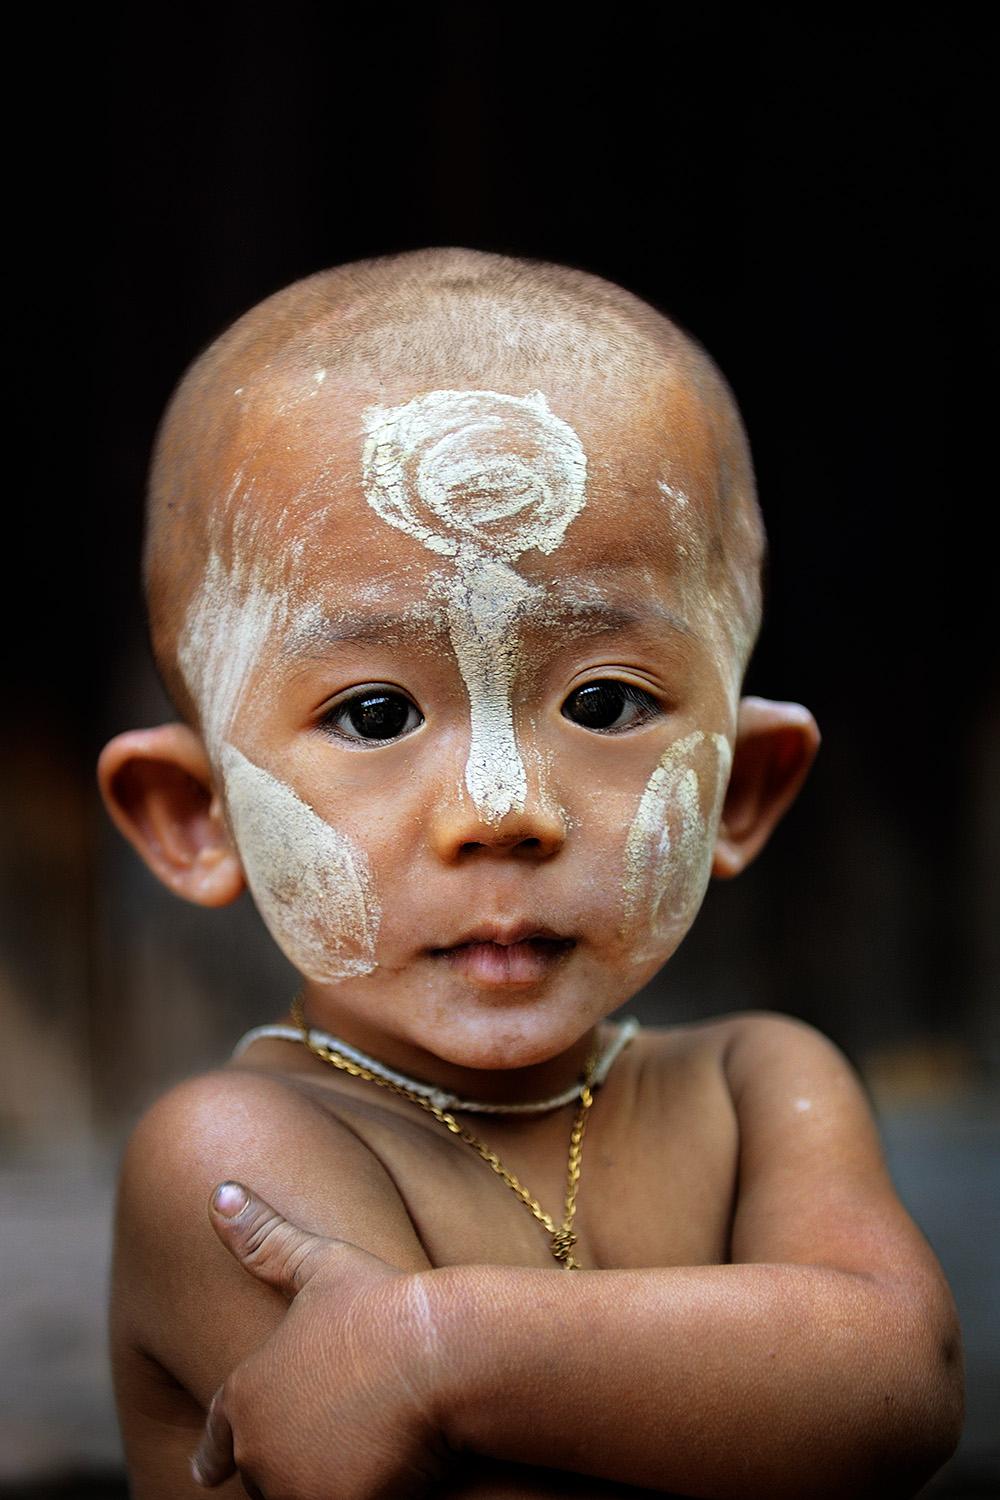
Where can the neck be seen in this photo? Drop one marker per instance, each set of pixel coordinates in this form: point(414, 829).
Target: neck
point(493, 1085)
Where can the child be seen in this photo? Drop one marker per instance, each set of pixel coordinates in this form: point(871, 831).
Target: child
point(453, 569)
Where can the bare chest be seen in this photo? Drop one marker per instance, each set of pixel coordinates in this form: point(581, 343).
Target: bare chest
point(657, 1171)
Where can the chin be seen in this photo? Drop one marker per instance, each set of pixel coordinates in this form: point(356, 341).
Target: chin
point(495, 1042)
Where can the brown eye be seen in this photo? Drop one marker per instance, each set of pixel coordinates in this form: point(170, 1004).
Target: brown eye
point(608, 705)
point(376, 716)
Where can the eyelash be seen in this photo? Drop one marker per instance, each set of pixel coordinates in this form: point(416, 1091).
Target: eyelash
point(648, 706)
point(332, 721)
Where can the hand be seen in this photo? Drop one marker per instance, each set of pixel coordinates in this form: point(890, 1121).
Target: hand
point(339, 1403)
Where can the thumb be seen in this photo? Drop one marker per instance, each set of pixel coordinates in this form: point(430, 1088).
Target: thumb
point(265, 1243)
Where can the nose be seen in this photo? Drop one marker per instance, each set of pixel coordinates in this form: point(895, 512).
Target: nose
point(459, 831)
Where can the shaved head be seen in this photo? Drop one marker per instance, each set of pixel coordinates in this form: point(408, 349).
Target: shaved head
point(436, 319)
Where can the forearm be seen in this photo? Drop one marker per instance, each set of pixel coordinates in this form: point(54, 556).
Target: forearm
point(488, 1479)
point(728, 1381)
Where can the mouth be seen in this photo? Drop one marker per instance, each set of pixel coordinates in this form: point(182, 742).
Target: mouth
point(499, 957)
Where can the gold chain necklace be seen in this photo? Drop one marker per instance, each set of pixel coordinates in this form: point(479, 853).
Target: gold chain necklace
point(561, 1239)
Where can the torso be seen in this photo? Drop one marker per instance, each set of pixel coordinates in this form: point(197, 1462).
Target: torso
point(658, 1174)
point(657, 1188)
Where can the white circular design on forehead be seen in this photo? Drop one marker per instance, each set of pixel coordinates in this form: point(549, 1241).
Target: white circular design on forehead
point(479, 477)
point(451, 468)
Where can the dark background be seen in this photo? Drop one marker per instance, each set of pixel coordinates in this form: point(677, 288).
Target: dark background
point(808, 195)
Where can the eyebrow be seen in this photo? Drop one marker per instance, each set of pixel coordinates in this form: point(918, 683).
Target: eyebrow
point(609, 617)
point(313, 640)
point(334, 630)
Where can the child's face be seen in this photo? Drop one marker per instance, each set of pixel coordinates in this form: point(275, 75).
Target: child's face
point(471, 696)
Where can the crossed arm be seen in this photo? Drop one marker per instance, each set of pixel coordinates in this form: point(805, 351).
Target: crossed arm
point(822, 1362)
point(765, 1380)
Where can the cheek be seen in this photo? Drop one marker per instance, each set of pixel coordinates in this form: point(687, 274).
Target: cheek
point(311, 884)
point(669, 846)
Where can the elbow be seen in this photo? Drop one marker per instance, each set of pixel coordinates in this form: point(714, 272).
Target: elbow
point(942, 1413)
point(902, 1419)
point(951, 1393)
point(906, 1442)
point(921, 1420)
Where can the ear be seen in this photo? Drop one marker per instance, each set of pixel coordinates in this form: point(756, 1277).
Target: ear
point(775, 746)
point(157, 786)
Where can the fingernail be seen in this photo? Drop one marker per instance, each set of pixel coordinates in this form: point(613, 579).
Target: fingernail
point(230, 1199)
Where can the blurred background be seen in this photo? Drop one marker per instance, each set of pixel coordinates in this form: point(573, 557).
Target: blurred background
point(807, 194)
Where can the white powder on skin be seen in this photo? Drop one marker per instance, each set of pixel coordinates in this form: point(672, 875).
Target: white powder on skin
point(672, 492)
point(443, 468)
point(228, 621)
point(668, 852)
point(237, 610)
point(714, 621)
point(484, 603)
point(311, 884)
point(724, 618)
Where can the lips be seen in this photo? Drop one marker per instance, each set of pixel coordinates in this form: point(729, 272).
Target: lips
point(505, 935)
point(499, 955)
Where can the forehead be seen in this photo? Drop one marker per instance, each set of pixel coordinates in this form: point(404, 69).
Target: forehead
point(381, 483)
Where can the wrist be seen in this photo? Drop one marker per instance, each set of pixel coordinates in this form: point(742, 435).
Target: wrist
point(455, 1310)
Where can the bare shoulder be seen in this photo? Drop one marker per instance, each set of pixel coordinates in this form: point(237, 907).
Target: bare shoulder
point(813, 1184)
point(183, 1312)
point(753, 1052)
point(258, 1129)
point(737, 1037)
point(751, 1036)
point(793, 1090)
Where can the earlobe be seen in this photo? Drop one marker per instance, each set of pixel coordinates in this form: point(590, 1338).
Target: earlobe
point(775, 746)
point(157, 787)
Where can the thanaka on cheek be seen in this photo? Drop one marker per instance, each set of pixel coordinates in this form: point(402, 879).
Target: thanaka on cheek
point(311, 884)
point(668, 851)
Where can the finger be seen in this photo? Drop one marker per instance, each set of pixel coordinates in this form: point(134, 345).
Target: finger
point(264, 1242)
point(213, 1459)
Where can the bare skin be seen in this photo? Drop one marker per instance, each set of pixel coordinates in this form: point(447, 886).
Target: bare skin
point(789, 1214)
point(733, 1194)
